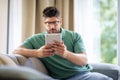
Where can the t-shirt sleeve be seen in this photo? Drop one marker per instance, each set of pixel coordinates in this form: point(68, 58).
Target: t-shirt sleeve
point(27, 43)
point(78, 44)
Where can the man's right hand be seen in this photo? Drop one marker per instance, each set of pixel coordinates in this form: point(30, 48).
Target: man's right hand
point(45, 51)
point(42, 52)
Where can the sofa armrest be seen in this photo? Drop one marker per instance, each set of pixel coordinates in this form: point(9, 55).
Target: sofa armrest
point(32, 62)
point(5, 60)
point(110, 70)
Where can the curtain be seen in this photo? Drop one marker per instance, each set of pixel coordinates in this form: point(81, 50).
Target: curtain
point(3, 25)
point(32, 20)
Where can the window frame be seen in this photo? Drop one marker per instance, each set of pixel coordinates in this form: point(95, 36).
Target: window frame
point(15, 23)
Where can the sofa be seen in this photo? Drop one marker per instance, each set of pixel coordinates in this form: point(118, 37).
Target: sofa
point(18, 67)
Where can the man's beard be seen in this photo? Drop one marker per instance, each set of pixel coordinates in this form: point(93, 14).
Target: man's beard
point(53, 31)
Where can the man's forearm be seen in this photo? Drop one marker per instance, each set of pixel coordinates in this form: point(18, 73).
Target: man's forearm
point(26, 52)
point(78, 59)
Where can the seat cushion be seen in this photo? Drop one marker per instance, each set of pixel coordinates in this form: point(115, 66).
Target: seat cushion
point(110, 70)
point(21, 73)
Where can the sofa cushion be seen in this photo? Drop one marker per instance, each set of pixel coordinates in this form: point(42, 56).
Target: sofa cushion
point(21, 73)
point(110, 70)
point(14, 58)
point(36, 64)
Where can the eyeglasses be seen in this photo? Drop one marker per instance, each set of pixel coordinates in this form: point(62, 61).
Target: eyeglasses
point(53, 22)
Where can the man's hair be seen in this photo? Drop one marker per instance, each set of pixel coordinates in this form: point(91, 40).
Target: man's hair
point(51, 12)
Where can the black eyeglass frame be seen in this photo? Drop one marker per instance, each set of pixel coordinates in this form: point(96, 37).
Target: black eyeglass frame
point(53, 22)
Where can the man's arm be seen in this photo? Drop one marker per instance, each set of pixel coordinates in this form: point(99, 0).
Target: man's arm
point(78, 59)
point(26, 52)
point(42, 52)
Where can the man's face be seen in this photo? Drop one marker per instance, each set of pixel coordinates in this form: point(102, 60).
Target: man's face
point(53, 24)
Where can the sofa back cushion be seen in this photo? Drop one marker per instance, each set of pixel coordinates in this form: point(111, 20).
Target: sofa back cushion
point(35, 64)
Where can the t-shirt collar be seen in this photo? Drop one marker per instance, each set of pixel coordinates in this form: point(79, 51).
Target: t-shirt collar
point(63, 33)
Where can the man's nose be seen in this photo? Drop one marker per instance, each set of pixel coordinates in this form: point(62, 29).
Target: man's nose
point(52, 26)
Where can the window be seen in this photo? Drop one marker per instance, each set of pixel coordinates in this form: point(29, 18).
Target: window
point(96, 21)
point(10, 27)
point(15, 24)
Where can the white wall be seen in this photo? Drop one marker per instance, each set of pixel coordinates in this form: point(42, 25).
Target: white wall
point(3, 25)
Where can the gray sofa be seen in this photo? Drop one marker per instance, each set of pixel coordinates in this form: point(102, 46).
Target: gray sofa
point(17, 67)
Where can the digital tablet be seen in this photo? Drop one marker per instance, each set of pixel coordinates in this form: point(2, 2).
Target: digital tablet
point(50, 38)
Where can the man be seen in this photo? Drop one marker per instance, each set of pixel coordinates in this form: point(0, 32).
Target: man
point(65, 60)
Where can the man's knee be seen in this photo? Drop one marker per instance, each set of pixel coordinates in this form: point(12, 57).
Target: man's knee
point(98, 76)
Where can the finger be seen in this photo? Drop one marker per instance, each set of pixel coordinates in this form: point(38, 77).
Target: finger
point(49, 54)
point(48, 46)
point(47, 50)
point(58, 51)
point(58, 47)
point(57, 42)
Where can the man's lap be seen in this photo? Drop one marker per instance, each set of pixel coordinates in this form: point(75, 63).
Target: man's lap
point(90, 76)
